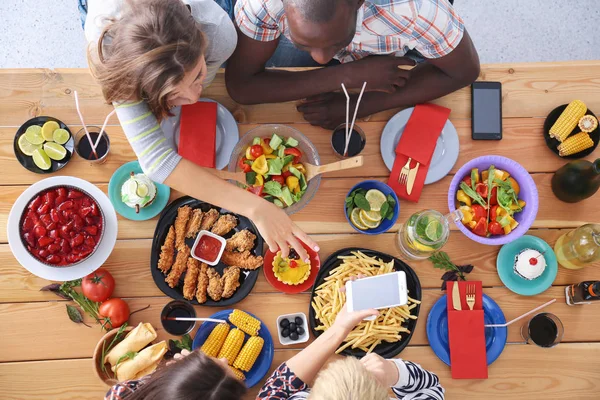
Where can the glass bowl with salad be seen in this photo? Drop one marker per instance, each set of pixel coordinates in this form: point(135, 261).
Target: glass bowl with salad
point(272, 157)
point(498, 199)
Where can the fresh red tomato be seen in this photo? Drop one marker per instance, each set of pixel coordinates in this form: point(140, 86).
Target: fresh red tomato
point(267, 141)
point(278, 178)
point(99, 285)
point(482, 189)
point(114, 313)
point(294, 152)
point(257, 190)
point(479, 211)
point(467, 180)
point(493, 213)
point(481, 227)
point(256, 150)
point(495, 228)
point(494, 196)
point(243, 166)
point(285, 174)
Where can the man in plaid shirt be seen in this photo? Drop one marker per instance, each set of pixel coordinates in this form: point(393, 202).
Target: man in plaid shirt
point(368, 37)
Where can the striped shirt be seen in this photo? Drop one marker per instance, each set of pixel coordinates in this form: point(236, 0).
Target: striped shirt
point(432, 27)
point(414, 383)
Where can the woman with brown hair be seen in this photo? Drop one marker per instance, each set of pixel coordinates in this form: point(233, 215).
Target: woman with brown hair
point(151, 56)
point(195, 376)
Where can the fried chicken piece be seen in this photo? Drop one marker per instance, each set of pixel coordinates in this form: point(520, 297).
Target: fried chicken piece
point(244, 260)
point(181, 222)
point(241, 241)
point(224, 224)
point(209, 219)
point(215, 286)
point(179, 267)
point(191, 278)
point(167, 252)
point(230, 281)
point(193, 226)
point(202, 284)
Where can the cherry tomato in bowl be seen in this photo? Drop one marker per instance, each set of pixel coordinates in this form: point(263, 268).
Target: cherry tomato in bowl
point(256, 150)
point(114, 312)
point(98, 286)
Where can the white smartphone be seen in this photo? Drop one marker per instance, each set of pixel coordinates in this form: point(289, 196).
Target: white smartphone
point(381, 291)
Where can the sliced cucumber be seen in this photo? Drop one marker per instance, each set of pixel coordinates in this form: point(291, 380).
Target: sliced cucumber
point(278, 203)
point(291, 142)
point(303, 183)
point(286, 195)
point(275, 142)
point(295, 172)
point(281, 151)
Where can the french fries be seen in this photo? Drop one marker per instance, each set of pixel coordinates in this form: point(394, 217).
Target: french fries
point(328, 301)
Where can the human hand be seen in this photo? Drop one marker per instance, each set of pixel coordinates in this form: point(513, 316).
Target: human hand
point(385, 371)
point(179, 356)
point(380, 72)
point(327, 110)
point(279, 232)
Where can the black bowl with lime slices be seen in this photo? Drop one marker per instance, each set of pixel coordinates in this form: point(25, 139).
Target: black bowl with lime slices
point(26, 157)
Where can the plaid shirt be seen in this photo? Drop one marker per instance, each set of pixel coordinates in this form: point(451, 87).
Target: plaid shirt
point(431, 27)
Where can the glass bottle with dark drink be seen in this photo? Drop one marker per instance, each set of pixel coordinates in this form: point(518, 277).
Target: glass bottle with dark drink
point(583, 293)
point(576, 180)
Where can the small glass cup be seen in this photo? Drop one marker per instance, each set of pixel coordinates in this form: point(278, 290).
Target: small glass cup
point(178, 308)
point(84, 150)
point(358, 140)
point(543, 329)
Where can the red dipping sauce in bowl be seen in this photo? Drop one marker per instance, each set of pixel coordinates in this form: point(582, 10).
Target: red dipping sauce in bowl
point(208, 248)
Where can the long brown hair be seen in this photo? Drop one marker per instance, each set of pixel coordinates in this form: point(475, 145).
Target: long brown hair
point(145, 53)
point(195, 377)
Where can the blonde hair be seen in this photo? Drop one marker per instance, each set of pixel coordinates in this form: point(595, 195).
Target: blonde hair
point(151, 47)
point(347, 379)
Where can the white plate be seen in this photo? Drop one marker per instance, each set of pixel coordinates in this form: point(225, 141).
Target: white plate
point(444, 155)
point(227, 132)
point(80, 270)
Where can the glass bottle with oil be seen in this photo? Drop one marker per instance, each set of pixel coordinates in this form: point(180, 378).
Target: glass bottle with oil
point(579, 248)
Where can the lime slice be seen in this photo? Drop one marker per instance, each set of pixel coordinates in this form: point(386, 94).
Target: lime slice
point(33, 134)
point(369, 224)
point(48, 130)
point(132, 187)
point(422, 247)
point(355, 218)
point(41, 159)
point(433, 230)
point(142, 190)
point(26, 147)
point(372, 216)
point(55, 151)
point(61, 136)
point(375, 199)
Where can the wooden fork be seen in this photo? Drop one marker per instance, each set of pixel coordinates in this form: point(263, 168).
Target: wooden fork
point(403, 177)
point(471, 295)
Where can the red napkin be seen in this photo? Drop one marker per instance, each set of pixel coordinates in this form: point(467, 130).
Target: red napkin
point(198, 133)
point(418, 142)
point(466, 335)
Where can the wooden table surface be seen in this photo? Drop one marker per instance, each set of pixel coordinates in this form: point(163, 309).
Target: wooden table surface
point(45, 356)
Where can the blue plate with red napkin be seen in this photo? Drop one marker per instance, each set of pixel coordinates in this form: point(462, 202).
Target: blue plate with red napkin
point(437, 330)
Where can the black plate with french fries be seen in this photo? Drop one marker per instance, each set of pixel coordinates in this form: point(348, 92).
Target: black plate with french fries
point(358, 344)
point(237, 289)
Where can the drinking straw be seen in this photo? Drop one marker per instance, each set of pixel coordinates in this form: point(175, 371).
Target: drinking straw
point(104, 126)
point(83, 123)
point(354, 118)
point(522, 316)
point(194, 319)
point(347, 117)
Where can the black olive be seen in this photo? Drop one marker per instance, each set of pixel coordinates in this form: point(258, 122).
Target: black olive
point(298, 321)
point(300, 331)
point(285, 332)
point(294, 336)
point(293, 327)
point(284, 323)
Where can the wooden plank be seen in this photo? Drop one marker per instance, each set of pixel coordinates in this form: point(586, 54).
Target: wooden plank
point(529, 90)
point(325, 212)
point(516, 375)
point(130, 260)
point(16, 318)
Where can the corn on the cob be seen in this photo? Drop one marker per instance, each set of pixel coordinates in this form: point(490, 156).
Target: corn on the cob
point(568, 120)
point(588, 123)
point(231, 347)
point(238, 374)
point(247, 357)
point(215, 340)
point(575, 144)
point(245, 322)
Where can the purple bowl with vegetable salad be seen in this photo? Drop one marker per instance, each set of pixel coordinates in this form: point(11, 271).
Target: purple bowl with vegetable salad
point(528, 193)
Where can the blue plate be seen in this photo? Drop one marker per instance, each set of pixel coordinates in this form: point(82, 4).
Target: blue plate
point(263, 362)
point(386, 224)
point(114, 193)
point(506, 260)
point(437, 329)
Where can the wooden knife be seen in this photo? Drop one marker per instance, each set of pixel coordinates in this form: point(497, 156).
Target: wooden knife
point(456, 297)
point(412, 174)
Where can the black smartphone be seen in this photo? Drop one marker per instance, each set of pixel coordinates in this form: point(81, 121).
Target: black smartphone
point(486, 110)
